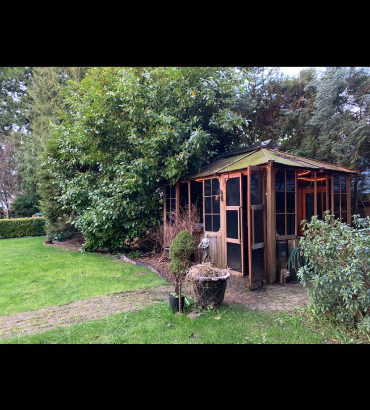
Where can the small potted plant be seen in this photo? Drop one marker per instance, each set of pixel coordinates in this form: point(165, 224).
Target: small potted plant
point(181, 250)
point(209, 284)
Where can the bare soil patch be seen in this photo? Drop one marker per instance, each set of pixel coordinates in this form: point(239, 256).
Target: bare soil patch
point(71, 244)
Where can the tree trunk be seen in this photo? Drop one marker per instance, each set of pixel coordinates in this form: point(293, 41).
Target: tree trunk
point(180, 307)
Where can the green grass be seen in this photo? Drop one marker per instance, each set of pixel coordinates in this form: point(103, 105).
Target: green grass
point(156, 324)
point(33, 276)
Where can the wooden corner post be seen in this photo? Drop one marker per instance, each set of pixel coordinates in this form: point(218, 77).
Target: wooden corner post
point(271, 223)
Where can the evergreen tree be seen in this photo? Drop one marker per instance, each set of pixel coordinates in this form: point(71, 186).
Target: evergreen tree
point(44, 108)
point(13, 87)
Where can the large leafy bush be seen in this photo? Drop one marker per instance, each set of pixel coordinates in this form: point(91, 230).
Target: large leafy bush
point(25, 205)
point(126, 133)
point(336, 274)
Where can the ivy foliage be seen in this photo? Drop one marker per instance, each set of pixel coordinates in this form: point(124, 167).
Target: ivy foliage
point(336, 273)
point(127, 132)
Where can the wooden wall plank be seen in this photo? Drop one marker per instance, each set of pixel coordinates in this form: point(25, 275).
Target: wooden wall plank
point(270, 224)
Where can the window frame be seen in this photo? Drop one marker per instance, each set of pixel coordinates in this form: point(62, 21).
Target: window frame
point(285, 213)
point(204, 205)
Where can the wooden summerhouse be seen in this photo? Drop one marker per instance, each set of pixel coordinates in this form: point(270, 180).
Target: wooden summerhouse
point(251, 204)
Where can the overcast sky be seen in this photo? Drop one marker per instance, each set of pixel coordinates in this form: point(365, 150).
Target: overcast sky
point(293, 71)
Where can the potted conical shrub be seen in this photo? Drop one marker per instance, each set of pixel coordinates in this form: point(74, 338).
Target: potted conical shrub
point(181, 250)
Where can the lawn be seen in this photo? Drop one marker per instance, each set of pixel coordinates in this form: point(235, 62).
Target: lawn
point(156, 324)
point(33, 275)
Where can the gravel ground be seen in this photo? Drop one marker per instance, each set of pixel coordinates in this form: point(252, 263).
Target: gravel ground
point(268, 298)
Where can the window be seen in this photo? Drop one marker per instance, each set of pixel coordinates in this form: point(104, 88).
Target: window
point(170, 203)
point(340, 197)
point(285, 203)
point(212, 204)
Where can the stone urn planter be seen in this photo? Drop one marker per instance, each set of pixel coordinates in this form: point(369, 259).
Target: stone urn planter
point(209, 284)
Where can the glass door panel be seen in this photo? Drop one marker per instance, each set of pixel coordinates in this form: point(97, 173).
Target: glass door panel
point(233, 209)
point(256, 220)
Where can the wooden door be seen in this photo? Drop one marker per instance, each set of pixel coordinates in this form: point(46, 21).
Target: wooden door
point(233, 218)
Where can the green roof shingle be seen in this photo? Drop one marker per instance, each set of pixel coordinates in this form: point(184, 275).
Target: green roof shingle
point(262, 156)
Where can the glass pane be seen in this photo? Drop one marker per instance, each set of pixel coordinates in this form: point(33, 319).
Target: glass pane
point(184, 197)
point(168, 204)
point(258, 266)
point(336, 202)
point(208, 224)
point(216, 223)
point(234, 256)
point(336, 183)
point(233, 192)
point(321, 182)
point(343, 183)
point(173, 205)
point(344, 202)
point(256, 189)
point(344, 217)
point(290, 202)
point(258, 226)
point(216, 205)
point(309, 206)
point(280, 202)
point(324, 201)
point(319, 205)
point(215, 186)
point(280, 224)
point(232, 223)
point(207, 204)
point(336, 215)
point(207, 187)
point(196, 192)
point(290, 224)
point(290, 181)
point(168, 191)
point(279, 181)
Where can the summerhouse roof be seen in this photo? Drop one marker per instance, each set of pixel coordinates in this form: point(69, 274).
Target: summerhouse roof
point(261, 156)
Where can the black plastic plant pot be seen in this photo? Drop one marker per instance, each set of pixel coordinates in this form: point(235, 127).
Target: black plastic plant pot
point(210, 291)
point(174, 302)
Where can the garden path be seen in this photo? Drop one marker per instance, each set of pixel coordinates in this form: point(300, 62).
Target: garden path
point(75, 312)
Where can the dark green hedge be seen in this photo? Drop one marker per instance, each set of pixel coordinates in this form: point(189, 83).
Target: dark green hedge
point(18, 227)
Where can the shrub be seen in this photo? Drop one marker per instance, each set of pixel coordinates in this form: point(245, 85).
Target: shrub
point(185, 221)
point(181, 250)
point(25, 205)
point(336, 273)
point(18, 227)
